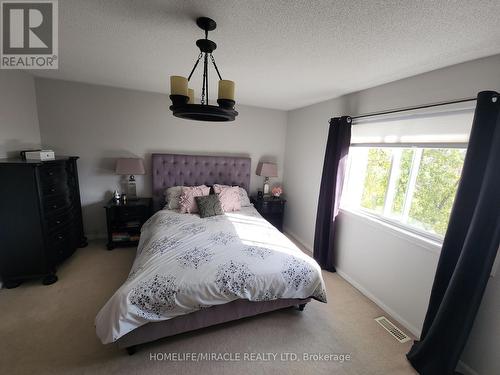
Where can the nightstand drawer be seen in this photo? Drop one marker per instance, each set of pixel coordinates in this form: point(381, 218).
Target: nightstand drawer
point(130, 212)
point(271, 207)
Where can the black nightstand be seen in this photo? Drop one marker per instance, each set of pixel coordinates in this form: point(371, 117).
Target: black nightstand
point(125, 220)
point(272, 209)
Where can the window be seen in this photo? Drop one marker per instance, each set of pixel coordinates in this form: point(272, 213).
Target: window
point(412, 187)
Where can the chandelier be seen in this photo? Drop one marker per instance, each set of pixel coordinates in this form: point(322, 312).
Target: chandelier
point(182, 97)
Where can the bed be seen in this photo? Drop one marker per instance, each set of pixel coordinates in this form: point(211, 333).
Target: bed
point(191, 273)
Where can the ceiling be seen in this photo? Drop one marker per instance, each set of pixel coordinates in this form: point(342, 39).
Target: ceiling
point(282, 54)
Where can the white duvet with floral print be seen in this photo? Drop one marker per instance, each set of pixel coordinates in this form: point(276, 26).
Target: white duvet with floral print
point(185, 263)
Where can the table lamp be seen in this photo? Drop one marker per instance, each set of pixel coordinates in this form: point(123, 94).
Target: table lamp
point(267, 170)
point(130, 166)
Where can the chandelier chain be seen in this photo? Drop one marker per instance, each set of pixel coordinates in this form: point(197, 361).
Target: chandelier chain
point(195, 65)
point(215, 65)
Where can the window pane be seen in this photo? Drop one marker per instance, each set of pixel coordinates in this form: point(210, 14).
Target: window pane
point(435, 188)
point(377, 178)
point(402, 182)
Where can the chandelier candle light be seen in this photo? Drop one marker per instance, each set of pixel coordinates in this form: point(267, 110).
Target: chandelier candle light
point(183, 104)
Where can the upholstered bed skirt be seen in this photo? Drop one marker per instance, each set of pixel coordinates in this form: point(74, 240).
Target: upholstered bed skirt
point(204, 318)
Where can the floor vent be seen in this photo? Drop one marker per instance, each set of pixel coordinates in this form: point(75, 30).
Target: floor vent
point(392, 329)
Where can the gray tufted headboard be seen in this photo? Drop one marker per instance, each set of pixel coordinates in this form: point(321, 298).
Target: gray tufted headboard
point(189, 170)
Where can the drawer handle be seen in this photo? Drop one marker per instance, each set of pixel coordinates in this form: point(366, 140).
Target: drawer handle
point(60, 237)
point(58, 221)
point(52, 190)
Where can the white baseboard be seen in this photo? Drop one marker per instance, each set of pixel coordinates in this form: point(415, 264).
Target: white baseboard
point(414, 330)
point(465, 369)
point(296, 238)
point(410, 327)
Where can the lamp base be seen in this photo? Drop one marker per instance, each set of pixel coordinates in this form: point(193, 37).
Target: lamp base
point(131, 189)
point(265, 188)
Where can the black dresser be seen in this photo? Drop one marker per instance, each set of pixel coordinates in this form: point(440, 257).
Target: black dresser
point(40, 218)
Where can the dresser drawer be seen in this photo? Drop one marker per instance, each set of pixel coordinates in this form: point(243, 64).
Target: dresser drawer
point(61, 249)
point(53, 171)
point(58, 220)
point(54, 204)
point(61, 235)
point(54, 187)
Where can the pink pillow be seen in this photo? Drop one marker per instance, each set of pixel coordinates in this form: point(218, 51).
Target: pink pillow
point(229, 197)
point(187, 202)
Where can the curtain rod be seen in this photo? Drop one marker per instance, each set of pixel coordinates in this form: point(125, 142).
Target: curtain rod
point(414, 108)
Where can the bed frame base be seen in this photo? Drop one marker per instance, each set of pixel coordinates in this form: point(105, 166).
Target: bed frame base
point(204, 318)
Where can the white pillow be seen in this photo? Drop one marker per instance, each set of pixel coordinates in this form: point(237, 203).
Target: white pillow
point(172, 197)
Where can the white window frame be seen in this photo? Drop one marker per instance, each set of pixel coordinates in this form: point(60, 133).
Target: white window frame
point(393, 176)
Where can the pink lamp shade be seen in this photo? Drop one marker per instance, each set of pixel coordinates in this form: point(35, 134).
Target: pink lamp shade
point(267, 169)
point(130, 166)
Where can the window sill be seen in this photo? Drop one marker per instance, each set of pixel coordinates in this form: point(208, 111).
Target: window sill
point(421, 241)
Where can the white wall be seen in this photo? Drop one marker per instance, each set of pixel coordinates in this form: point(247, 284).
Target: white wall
point(393, 270)
point(18, 115)
point(481, 352)
point(100, 123)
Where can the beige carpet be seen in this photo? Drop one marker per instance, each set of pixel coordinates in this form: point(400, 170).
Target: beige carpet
point(50, 330)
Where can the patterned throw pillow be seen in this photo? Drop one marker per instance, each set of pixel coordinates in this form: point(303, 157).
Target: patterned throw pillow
point(229, 197)
point(187, 202)
point(172, 196)
point(244, 200)
point(209, 205)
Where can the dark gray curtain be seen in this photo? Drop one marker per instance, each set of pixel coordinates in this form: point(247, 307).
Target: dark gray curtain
point(332, 181)
point(469, 248)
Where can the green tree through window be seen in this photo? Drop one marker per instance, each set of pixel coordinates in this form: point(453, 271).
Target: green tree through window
point(377, 178)
point(435, 189)
point(423, 182)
